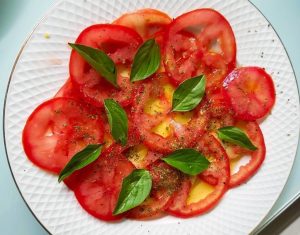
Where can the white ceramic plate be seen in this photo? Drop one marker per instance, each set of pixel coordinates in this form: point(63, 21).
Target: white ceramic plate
point(42, 68)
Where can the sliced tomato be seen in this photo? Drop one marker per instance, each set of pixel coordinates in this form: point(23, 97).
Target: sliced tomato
point(251, 92)
point(215, 68)
point(68, 90)
point(98, 185)
point(159, 128)
point(165, 181)
point(219, 110)
point(146, 22)
point(200, 36)
point(257, 157)
point(121, 44)
point(219, 169)
point(59, 128)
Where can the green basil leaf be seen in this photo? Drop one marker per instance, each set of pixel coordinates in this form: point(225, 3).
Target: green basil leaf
point(81, 159)
point(189, 94)
point(117, 119)
point(101, 62)
point(188, 161)
point(146, 61)
point(235, 135)
point(135, 189)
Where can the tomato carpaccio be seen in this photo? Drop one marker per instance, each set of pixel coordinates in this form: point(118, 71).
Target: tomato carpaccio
point(194, 43)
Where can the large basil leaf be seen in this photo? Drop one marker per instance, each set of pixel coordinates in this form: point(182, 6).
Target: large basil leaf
point(146, 61)
point(235, 135)
point(189, 94)
point(101, 62)
point(81, 159)
point(135, 189)
point(188, 161)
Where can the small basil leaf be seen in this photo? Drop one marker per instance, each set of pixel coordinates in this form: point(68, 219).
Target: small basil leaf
point(188, 161)
point(81, 159)
point(135, 189)
point(101, 62)
point(235, 135)
point(189, 94)
point(117, 119)
point(146, 61)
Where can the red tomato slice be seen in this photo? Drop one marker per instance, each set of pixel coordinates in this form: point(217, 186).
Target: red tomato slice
point(146, 22)
point(121, 44)
point(68, 90)
point(257, 157)
point(178, 135)
point(99, 184)
point(59, 128)
point(215, 68)
point(251, 92)
point(219, 169)
point(165, 181)
point(195, 35)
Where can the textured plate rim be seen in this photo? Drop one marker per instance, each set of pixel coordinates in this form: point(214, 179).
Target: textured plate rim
point(257, 228)
point(42, 19)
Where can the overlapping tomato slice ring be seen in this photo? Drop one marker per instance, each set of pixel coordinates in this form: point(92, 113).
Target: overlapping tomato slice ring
point(147, 22)
point(160, 129)
point(199, 42)
point(59, 128)
point(118, 42)
point(218, 169)
point(97, 186)
point(245, 172)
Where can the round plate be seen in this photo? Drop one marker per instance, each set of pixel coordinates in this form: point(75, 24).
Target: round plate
point(42, 68)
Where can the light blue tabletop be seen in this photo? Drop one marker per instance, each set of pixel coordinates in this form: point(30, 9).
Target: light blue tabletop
point(17, 19)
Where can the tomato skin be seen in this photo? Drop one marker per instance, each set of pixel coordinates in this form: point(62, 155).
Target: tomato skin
point(118, 42)
point(147, 22)
point(191, 37)
point(165, 181)
point(251, 92)
point(68, 90)
point(219, 169)
point(99, 184)
point(257, 157)
point(59, 128)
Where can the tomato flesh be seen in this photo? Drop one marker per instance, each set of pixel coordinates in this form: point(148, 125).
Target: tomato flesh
point(146, 22)
point(199, 35)
point(62, 127)
point(118, 42)
point(251, 92)
point(219, 169)
point(99, 184)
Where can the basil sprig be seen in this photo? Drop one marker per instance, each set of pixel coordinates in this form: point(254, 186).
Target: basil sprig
point(235, 135)
point(146, 61)
point(81, 159)
point(189, 94)
point(135, 189)
point(117, 119)
point(101, 62)
point(188, 161)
